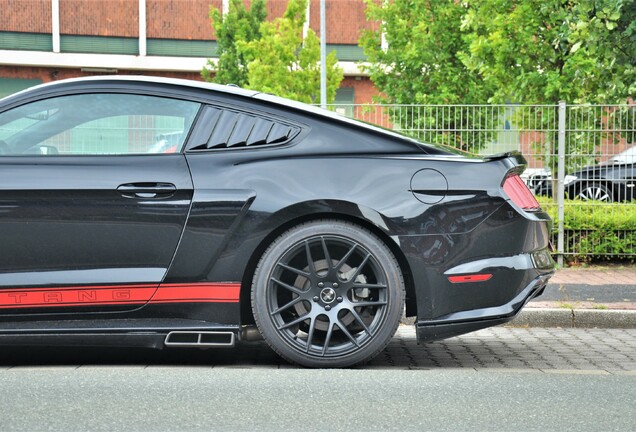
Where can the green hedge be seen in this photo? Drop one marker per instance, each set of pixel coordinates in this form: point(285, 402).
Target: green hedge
point(596, 231)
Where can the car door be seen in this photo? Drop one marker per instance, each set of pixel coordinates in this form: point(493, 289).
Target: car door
point(93, 200)
point(222, 141)
point(626, 174)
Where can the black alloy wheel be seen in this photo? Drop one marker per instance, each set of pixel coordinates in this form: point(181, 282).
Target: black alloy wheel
point(327, 294)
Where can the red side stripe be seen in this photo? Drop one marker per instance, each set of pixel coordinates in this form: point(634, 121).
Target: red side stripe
point(70, 296)
point(119, 295)
point(78, 288)
point(208, 292)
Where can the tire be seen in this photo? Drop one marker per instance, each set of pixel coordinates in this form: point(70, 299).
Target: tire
point(596, 192)
point(327, 293)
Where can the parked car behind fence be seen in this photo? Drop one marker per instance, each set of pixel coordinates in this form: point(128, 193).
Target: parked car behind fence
point(613, 181)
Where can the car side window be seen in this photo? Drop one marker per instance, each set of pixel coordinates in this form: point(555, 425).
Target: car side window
point(97, 124)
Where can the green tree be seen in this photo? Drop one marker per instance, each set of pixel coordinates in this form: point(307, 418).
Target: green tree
point(545, 51)
point(420, 65)
point(522, 51)
point(285, 64)
point(238, 25)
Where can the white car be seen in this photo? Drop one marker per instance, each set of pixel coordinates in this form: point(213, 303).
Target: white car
point(625, 157)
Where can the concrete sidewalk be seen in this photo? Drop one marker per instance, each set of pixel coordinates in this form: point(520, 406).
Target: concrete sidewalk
point(600, 296)
point(590, 288)
point(598, 275)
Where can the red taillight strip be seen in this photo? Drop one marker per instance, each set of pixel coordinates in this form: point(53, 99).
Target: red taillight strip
point(482, 277)
point(519, 193)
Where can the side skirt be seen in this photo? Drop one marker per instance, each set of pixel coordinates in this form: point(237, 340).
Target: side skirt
point(143, 333)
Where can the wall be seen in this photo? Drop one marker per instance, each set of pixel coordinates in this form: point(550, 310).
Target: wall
point(29, 16)
point(169, 19)
point(166, 19)
point(100, 18)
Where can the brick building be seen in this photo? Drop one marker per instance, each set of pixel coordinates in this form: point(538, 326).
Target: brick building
point(46, 40)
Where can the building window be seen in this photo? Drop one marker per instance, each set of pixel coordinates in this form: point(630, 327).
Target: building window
point(12, 85)
point(344, 101)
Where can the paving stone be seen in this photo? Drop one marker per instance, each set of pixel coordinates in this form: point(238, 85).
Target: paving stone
point(569, 349)
point(531, 349)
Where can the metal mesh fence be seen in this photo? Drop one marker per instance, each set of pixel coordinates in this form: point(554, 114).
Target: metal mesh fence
point(581, 160)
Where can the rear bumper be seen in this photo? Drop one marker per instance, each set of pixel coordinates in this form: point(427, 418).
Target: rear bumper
point(458, 323)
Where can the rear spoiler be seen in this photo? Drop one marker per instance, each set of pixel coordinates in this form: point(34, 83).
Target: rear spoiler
point(514, 160)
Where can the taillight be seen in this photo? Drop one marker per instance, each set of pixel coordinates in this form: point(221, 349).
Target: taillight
point(519, 193)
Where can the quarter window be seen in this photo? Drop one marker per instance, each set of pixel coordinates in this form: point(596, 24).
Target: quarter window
point(228, 129)
point(97, 124)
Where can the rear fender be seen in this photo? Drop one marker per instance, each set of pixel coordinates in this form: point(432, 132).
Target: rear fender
point(296, 214)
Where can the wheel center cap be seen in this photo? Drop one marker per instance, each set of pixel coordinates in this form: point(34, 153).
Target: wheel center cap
point(327, 295)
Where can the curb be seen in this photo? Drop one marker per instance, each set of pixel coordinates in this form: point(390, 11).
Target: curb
point(567, 318)
point(575, 318)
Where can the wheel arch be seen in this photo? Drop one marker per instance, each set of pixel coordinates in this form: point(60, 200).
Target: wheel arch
point(610, 185)
point(247, 317)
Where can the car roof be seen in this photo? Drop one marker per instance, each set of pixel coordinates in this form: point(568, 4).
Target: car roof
point(203, 85)
point(628, 152)
point(230, 89)
point(226, 89)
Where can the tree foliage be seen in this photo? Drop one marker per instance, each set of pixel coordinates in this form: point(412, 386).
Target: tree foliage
point(544, 51)
point(420, 65)
point(239, 24)
point(521, 51)
point(285, 64)
point(271, 57)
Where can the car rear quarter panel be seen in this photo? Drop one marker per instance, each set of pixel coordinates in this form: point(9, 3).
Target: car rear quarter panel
point(338, 170)
point(268, 189)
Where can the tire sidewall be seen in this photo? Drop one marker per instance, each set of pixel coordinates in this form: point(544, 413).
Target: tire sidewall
point(280, 246)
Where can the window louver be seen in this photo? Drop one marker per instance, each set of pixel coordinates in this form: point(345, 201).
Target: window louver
point(235, 130)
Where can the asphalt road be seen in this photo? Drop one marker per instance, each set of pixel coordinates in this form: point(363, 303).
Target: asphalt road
point(203, 399)
point(495, 379)
point(580, 292)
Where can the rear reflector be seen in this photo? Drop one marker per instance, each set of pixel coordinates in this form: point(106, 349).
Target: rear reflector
point(470, 278)
point(519, 193)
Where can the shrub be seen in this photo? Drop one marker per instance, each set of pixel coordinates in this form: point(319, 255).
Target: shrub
point(596, 231)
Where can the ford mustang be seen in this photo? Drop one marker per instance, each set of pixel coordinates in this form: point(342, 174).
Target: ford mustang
point(166, 213)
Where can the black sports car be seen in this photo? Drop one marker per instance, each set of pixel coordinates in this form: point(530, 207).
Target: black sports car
point(612, 181)
point(166, 213)
point(609, 182)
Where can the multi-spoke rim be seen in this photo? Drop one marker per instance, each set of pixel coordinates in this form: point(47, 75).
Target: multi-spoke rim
point(596, 193)
point(327, 296)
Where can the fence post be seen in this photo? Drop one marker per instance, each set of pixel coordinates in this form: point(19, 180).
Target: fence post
point(560, 185)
